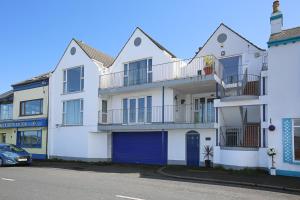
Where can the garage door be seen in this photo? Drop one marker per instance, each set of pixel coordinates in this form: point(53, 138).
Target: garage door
point(140, 147)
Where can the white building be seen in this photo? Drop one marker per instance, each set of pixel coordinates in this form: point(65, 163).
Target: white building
point(148, 106)
point(74, 105)
point(283, 95)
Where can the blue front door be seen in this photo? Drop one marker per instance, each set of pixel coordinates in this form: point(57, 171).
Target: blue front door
point(193, 150)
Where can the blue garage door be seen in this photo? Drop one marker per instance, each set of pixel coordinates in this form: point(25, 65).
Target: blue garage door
point(140, 147)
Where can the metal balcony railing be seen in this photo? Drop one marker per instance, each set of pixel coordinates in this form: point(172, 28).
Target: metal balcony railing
point(240, 85)
point(180, 69)
point(244, 136)
point(168, 114)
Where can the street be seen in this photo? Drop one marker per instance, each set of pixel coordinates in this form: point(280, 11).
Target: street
point(113, 183)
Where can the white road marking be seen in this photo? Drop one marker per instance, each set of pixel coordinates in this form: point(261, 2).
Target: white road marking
point(7, 179)
point(125, 197)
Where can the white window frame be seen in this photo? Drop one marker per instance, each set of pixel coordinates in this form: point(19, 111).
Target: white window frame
point(137, 109)
point(293, 135)
point(65, 79)
point(64, 112)
point(148, 71)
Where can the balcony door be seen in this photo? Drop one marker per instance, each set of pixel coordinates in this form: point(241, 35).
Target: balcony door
point(230, 68)
point(137, 110)
point(199, 110)
point(138, 72)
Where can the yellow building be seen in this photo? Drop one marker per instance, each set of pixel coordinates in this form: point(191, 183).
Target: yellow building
point(24, 116)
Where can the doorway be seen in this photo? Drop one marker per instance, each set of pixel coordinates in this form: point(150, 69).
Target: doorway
point(193, 149)
point(2, 137)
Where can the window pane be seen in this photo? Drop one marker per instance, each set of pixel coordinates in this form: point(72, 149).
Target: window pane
point(138, 72)
point(33, 107)
point(150, 65)
point(125, 111)
point(150, 77)
point(132, 110)
point(125, 69)
point(6, 111)
point(296, 122)
point(149, 109)
point(30, 139)
point(73, 112)
point(210, 110)
point(141, 110)
point(297, 143)
point(73, 79)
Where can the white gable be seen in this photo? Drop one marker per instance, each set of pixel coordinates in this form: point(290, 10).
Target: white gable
point(146, 49)
point(234, 45)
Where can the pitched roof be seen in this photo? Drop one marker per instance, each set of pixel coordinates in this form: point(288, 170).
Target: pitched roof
point(95, 54)
point(41, 77)
point(285, 34)
point(150, 38)
point(6, 95)
point(156, 43)
point(222, 24)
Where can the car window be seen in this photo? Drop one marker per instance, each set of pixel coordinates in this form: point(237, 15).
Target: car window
point(15, 148)
point(4, 148)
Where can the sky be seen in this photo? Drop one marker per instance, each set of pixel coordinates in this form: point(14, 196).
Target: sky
point(35, 33)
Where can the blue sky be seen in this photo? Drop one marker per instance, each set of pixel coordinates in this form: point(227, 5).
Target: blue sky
point(35, 33)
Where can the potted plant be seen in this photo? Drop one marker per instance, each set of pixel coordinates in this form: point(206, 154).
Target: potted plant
point(271, 152)
point(209, 62)
point(208, 153)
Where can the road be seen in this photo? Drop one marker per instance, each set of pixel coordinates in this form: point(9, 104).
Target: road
point(43, 183)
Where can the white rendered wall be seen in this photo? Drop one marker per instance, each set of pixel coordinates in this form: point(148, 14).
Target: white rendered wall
point(74, 141)
point(177, 144)
point(283, 95)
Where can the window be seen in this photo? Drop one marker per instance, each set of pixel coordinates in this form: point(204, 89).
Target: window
point(231, 69)
point(73, 79)
point(297, 139)
point(32, 107)
point(137, 110)
point(199, 107)
point(104, 111)
point(29, 139)
point(138, 72)
point(73, 112)
point(210, 111)
point(6, 111)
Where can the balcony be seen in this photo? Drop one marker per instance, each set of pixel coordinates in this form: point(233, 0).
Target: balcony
point(183, 116)
point(247, 136)
point(197, 69)
point(245, 85)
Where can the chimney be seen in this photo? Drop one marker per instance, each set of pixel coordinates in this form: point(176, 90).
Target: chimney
point(276, 19)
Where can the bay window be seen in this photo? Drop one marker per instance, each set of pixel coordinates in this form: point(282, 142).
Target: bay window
point(73, 112)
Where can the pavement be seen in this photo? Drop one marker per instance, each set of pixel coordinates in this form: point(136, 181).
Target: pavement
point(71, 181)
point(255, 178)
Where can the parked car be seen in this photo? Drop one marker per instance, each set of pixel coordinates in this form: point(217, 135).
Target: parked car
point(12, 155)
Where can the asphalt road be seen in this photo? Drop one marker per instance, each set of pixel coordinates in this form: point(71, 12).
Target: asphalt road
point(111, 183)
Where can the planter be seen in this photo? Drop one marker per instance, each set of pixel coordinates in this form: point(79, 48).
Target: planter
point(273, 171)
point(207, 163)
point(208, 70)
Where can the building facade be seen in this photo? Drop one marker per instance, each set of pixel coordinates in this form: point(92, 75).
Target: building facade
point(74, 105)
point(24, 116)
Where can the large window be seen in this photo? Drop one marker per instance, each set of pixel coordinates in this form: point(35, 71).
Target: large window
point(297, 139)
point(73, 112)
point(6, 111)
point(32, 107)
point(137, 110)
point(73, 79)
point(231, 69)
point(138, 72)
point(29, 139)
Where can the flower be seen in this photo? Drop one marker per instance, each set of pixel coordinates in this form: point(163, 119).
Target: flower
point(271, 152)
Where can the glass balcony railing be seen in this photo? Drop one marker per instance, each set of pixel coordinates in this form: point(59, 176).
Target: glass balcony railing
point(183, 114)
point(180, 69)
